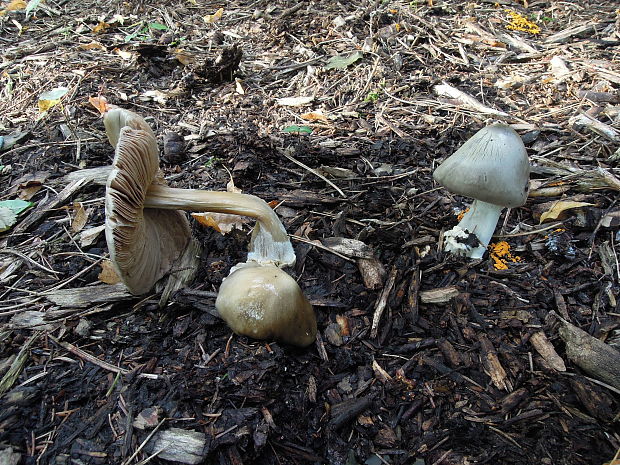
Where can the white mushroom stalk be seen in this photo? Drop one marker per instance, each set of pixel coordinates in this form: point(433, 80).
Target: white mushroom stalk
point(492, 167)
point(480, 220)
point(270, 243)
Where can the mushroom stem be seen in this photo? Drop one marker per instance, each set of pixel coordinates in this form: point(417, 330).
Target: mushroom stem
point(270, 242)
point(480, 220)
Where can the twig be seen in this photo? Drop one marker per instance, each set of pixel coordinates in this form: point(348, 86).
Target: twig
point(89, 358)
point(320, 246)
point(382, 302)
point(144, 443)
point(28, 259)
point(297, 162)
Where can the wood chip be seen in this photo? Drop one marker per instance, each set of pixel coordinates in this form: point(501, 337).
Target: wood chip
point(492, 365)
point(547, 351)
point(382, 302)
point(373, 272)
point(593, 356)
point(84, 297)
point(179, 445)
point(441, 295)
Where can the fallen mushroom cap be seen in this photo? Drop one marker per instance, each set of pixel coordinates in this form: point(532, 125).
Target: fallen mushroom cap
point(145, 231)
point(491, 166)
point(264, 302)
point(144, 243)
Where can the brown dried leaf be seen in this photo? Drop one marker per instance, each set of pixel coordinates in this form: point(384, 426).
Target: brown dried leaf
point(108, 275)
point(100, 103)
point(314, 116)
point(559, 207)
point(80, 217)
point(221, 222)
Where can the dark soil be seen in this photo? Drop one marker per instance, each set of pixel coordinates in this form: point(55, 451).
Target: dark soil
point(459, 381)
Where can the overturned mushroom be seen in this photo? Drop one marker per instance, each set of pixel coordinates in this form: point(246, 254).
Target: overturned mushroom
point(144, 229)
point(264, 302)
point(493, 168)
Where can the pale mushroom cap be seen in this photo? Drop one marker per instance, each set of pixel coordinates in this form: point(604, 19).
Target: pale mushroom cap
point(117, 118)
point(491, 166)
point(264, 302)
point(143, 243)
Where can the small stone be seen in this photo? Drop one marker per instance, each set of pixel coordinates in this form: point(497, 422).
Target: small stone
point(332, 334)
point(148, 418)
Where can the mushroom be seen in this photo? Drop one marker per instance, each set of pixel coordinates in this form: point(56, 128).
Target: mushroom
point(265, 302)
point(493, 168)
point(145, 231)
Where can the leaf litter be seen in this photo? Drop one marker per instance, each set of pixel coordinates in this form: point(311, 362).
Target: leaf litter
point(421, 357)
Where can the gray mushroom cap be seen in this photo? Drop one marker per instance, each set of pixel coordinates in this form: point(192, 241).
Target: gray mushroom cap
point(492, 166)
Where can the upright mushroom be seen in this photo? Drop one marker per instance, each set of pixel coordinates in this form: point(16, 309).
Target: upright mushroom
point(492, 167)
point(264, 302)
point(144, 229)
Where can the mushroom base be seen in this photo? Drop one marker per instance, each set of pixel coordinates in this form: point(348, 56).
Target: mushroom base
point(480, 220)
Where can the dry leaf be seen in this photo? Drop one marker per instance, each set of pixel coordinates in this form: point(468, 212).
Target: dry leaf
point(51, 98)
point(343, 322)
point(100, 103)
point(560, 207)
point(102, 26)
point(123, 54)
point(155, 95)
point(80, 217)
point(294, 101)
point(183, 57)
point(314, 116)
point(89, 236)
point(214, 17)
point(14, 5)
point(93, 46)
point(230, 187)
point(221, 222)
point(108, 273)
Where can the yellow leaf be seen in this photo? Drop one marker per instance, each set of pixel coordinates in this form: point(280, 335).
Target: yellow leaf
point(100, 103)
point(221, 222)
point(123, 54)
point(314, 116)
point(102, 26)
point(45, 105)
point(93, 46)
point(14, 5)
point(108, 274)
point(214, 17)
point(560, 207)
point(50, 98)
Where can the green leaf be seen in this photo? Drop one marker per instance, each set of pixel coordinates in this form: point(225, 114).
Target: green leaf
point(9, 209)
point(342, 61)
point(16, 205)
point(7, 218)
point(298, 129)
point(158, 26)
point(32, 6)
